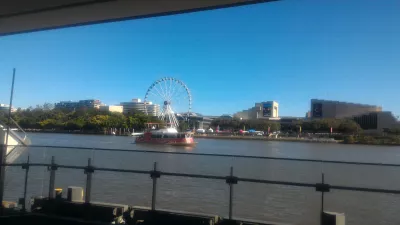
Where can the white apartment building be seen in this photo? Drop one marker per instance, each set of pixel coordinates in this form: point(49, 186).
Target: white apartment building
point(136, 105)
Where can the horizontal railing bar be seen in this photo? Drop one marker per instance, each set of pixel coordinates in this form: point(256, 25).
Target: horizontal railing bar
point(193, 175)
point(70, 167)
point(123, 170)
point(218, 155)
point(23, 164)
point(375, 190)
point(251, 180)
point(276, 182)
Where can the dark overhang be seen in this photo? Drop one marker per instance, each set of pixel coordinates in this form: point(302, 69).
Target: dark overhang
point(20, 16)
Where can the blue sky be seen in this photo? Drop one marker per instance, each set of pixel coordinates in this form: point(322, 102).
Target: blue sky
point(288, 51)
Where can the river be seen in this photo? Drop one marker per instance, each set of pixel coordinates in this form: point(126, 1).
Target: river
point(277, 203)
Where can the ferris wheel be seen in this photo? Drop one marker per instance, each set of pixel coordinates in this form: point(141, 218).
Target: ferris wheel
point(172, 96)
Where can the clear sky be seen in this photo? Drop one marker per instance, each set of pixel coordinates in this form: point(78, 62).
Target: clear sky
point(288, 51)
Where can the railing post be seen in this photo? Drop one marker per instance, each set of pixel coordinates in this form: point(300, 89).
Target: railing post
point(26, 168)
point(322, 194)
point(3, 150)
point(230, 196)
point(322, 187)
point(88, 171)
point(154, 175)
point(231, 180)
point(52, 170)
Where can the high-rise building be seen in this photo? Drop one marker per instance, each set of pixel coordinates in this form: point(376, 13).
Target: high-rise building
point(71, 105)
point(90, 103)
point(136, 105)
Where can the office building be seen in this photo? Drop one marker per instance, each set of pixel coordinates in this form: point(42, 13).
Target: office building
point(112, 108)
point(262, 110)
point(66, 105)
point(72, 105)
point(136, 105)
point(371, 118)
point(90, 103)
point(334, 109)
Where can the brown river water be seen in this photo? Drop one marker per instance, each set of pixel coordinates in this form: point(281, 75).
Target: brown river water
point(277, 203)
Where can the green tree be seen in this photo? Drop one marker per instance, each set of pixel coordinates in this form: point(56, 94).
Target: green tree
point(50, 124)
point(75, 124)
point(349, 126)
point(349, 139)
point(98, 122)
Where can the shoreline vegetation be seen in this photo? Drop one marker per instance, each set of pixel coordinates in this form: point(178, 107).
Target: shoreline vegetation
point(367, 140)
point(263, 138)
point(45, 119)
point(343, 131)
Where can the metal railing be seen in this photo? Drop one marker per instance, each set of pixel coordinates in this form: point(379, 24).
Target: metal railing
point(231, 180)
point(214, 154)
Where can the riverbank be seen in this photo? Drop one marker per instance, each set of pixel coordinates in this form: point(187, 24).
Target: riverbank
point(363, 140)
point(295, 139)
point(75, 132)
point(263, 138)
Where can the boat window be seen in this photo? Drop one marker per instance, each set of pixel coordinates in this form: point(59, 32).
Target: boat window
point(172, 135)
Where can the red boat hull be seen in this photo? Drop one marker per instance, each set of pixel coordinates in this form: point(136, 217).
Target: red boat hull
point(148, 139)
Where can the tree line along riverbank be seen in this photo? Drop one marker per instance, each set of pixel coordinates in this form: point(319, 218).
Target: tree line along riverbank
point(341, 130)
point(79, 121)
